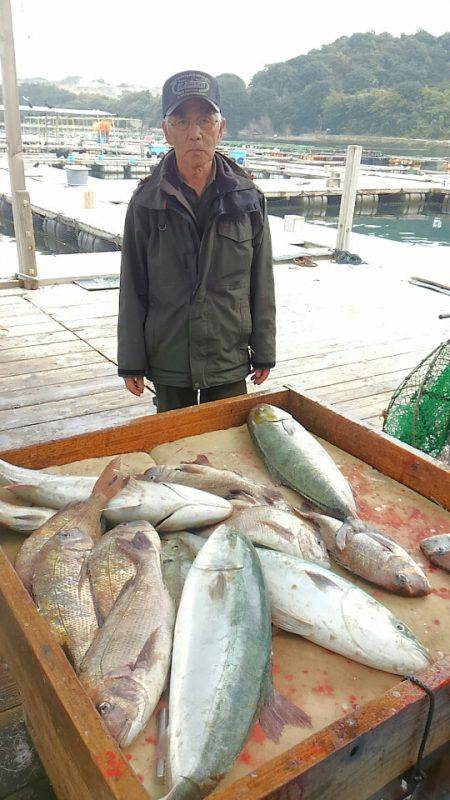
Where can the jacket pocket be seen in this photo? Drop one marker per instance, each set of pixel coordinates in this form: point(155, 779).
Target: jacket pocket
point(246, 321)
point(239, 230)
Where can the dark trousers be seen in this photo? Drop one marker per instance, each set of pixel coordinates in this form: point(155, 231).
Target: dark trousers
point(170, 397)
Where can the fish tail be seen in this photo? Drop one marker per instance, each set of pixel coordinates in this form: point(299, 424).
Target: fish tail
point(110, 481)
point(185, 789)
point(278, 712)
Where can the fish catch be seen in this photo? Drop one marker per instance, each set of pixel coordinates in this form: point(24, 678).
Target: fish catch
point(168, 507)
point(319, 605)
point(437, 550)
point(178, 551)
point(62, 591)
point(126, 667)
point(23, 519)
point(221, 666)
point(201, 474)
point(279, 530)
point(85, 515)
point(110, 567)
point(295, 458)
point(373, 556)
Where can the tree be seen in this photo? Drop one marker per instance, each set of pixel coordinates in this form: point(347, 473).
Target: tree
point(234, 102)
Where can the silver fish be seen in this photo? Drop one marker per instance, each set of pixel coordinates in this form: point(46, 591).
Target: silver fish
point(373, 556)
point(221, 666)
point(178, 551)
point(295, 458)
point(316, 603)
point(272, 527)
point(201, 474)
point(23, 519)
point(168, 507)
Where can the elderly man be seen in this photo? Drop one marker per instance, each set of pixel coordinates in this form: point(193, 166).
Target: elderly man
point(197, 308)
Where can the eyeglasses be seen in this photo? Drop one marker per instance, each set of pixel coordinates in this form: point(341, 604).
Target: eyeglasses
point(182, 124)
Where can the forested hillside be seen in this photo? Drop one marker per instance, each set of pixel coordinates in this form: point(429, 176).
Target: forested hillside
point(359, 84)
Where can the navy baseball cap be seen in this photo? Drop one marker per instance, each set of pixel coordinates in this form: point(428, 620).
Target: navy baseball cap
point(188, 85)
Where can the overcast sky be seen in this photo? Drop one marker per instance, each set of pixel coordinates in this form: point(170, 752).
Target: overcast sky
point(142, 43)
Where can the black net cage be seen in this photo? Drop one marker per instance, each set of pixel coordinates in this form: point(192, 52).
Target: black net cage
point(419, 411)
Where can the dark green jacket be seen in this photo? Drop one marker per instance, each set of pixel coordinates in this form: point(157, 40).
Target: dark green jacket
point(192, 311)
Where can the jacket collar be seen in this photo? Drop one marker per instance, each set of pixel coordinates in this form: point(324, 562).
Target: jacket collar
point(230, 179)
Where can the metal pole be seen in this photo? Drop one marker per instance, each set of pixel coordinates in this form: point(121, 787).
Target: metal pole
point(348, 198)
point(23, 218)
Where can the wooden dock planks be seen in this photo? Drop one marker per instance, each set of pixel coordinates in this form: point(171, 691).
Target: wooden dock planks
point(58, 371)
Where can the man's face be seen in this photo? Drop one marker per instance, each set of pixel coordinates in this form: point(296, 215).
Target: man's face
point(194, 131)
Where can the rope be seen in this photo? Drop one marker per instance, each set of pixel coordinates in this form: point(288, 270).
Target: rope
point(418, 774)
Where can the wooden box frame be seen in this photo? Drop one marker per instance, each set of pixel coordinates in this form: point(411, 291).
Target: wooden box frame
point(348, 760)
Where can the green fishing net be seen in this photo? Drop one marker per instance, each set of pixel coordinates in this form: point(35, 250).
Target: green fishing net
point(419, 411)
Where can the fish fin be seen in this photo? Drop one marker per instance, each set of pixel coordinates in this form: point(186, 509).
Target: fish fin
point(377, 536)
point(289, 425)
point(293, 625)
point(216, 589)
point(243, 497)
point(202, 459)
point(277, 712)
point(139, 548)
point(144, 658)
point(110, 481)
point(11, 487)
point(284, 532)
point(191, 467)
point(342, 535)
point(320, 580)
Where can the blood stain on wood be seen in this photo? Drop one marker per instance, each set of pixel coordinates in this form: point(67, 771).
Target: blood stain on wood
point(257, 734)
point(245, 756)
point(150, 739)
point(324, 688)
point(442, 592)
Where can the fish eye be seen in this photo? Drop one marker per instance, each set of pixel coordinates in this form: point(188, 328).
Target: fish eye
point(402, 578)
point(441, 550)
point(103, 706)
point(400, 627)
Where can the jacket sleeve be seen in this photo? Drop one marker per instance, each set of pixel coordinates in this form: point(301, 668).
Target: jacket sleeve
point(133, 295)
point(262, 300)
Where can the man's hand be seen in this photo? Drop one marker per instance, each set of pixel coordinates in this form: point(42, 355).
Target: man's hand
point(258, 376)
point(135, 385)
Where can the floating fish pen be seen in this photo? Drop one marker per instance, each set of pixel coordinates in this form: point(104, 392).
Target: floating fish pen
point(367, 726)
point(62, 234)
point(322, 201)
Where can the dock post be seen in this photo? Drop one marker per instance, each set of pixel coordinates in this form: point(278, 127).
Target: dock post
point(23, 218)
point(354, 152)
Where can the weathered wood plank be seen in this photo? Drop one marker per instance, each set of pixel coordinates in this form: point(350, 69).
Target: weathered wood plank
point(41, 338)
point(23, 328)
point(121, 433)
point(361, 387)
point(102, 400)
point(359, 753)
point(64, 391)
point(76, 749)
point(30, 366)
point(9, 695)
point(43, 351)
point(305, 379)
point(88, 424)
point(96, 368)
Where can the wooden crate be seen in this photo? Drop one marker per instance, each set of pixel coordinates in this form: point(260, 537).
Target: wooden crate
point(339, 762)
